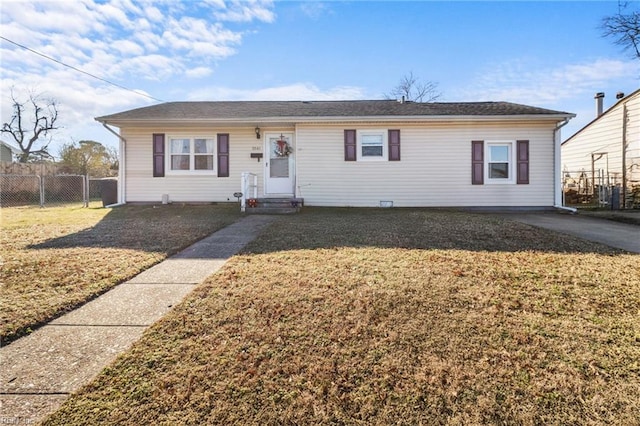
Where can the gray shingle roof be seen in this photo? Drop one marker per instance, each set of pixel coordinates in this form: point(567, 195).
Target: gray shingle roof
point(252, 110)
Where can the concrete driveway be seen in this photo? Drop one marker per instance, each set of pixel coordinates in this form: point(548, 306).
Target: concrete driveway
point(620, 235)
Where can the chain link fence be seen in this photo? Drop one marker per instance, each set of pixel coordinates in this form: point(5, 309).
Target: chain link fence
point(599, 189)
point(29, 190)
point(20, 190)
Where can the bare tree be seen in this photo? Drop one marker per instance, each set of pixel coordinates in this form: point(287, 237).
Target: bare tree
point(624, 28)
point(26, 133)
point(411, 88)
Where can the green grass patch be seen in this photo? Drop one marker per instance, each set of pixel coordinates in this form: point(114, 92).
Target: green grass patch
point(54, 259)
point(362, 317)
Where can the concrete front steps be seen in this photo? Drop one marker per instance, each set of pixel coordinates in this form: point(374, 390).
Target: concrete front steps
point(273, 205)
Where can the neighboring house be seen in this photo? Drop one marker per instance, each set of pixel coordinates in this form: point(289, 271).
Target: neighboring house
point(7, 151)
point(343, 153)
point(606, 152)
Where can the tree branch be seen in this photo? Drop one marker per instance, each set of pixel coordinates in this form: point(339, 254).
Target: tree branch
point(43, 123)
point(624, 28)
point(411, 89)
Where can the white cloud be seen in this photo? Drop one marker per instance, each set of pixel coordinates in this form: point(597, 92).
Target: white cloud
point(198, 37)
point(95, 35)
point(149, 67)
point(153, 13)
point(127, 47)
point(243, 10)
point(151, 41)
point(524, 82)
point(198, 72)
point(59, 16)
point(110, 13)
point(315, 9)
point(219, 4)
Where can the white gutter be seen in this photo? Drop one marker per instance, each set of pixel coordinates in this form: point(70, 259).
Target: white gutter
point(121, 167)
point(557, 166)
point(293, 120)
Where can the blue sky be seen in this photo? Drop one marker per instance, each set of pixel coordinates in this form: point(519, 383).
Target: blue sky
point(547, 54)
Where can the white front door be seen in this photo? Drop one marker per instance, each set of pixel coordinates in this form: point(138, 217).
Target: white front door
point(279, 164)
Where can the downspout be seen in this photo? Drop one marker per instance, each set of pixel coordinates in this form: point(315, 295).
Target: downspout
point(121, 167)
point(557, 172)
point(625, 117)
point(296, 188)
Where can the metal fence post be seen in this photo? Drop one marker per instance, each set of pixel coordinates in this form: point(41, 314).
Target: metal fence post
point(41, 182)
point(85, 191)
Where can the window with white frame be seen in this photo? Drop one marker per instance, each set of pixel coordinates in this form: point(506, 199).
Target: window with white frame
point(500, 159)
point(191, 155)
point(372, 145)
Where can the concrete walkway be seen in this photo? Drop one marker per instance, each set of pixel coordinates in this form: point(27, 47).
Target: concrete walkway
point(39, 371)
point(614, 234)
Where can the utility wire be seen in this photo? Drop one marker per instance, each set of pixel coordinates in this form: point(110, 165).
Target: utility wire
point(79, 70)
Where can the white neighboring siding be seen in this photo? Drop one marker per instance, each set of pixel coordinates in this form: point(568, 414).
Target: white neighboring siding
point(633, 140)
point(605, 135)
point(602, 136)
point(141, 186)
point(434, 171)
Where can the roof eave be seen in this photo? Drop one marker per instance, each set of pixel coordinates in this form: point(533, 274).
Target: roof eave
point(333, 119)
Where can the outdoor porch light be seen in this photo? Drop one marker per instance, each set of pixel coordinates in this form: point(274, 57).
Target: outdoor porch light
point(257, 132)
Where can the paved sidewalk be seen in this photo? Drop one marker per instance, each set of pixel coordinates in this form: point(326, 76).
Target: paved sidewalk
point(614, 234)
point(39, 371)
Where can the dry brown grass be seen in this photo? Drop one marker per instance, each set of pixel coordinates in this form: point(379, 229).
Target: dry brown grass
point(390, 317)
point(56, 258)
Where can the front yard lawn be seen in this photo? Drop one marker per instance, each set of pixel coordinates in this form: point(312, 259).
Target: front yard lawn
point(57, 258)
point(362, 317)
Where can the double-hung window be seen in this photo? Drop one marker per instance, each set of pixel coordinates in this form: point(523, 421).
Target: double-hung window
point(372, 145)
point(500, 160)
point(191, 155)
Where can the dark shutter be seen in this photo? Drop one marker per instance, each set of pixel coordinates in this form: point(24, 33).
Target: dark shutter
point(158, 155)
point(523, 162)
point(223, 155)
point(394, 145)
point(477, 162)
point(350, 146)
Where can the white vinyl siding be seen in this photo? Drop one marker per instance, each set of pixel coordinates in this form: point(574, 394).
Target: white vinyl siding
point(599, 146)
point(141, 186)
point(633, 141)
point(603, 138)
point(435, 169)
